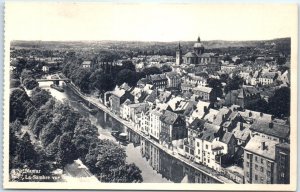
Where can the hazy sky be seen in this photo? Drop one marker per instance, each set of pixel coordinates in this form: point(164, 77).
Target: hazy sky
point(148, 22)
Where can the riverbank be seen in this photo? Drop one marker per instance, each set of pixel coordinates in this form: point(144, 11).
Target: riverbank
point(205, 170)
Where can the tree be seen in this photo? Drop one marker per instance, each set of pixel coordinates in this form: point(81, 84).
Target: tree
point(104, 155)
point(66, 150)
point(261, 105)
point(216, 85)
point(129, 173)
point(39, 97)
point(30, 83)
point(15, 126)
point(17, 104)
point(14, 83)
point(151, 70)
point(84, 135)
point(233, 84)
point(102, 81)
point(26, 74)
point(279, 104)
point(127, 64)
point(81, 78)
point(126, 76)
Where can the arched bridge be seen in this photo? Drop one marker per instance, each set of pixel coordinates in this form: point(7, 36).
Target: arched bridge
point(55, 81)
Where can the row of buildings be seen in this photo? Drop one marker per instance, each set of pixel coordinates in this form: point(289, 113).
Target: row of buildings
point(230, 140)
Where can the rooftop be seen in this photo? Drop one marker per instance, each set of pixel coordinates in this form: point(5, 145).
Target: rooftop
point(271, 128)
point(255, 145)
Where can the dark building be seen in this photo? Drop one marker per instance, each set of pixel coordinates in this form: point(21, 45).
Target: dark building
point(244, 97)
point(158, 81)
point(282, 158)
point(173, 127)
point(117, 98)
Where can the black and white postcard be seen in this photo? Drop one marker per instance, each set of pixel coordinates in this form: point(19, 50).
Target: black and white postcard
point(150, 96)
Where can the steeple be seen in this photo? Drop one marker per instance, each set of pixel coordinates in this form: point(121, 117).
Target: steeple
point(179, 47)
point(198, 39)
point(178, 55)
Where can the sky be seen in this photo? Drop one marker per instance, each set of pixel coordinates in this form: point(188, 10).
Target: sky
point(148, 22)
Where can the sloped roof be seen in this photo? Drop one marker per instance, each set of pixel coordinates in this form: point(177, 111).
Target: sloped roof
point(172, 75)
point(272, 129)
point(241, 133)
point(158, 77)
point(203, 89)
point(169, 117)
point(197, 124)
point(152, 97)
point(269, 75)
point(190, 54)
point(227, 137)
point(255, 146)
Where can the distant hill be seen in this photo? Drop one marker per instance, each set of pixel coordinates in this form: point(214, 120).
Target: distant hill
point(142, 45)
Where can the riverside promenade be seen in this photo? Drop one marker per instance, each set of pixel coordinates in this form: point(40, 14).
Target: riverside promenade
point(205, 170)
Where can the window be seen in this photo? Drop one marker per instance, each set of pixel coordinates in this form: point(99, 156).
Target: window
point(256, 167)
point(261, 179)
point(197, 144)
point(268, 173)
point(248, 164)
point(261, 169)
point(256, 178)
point(262, 160)
point(248, 174)
point(207, 160)
point(255, 158)
point(198, 151)
point(206, 146)
point(248, 155)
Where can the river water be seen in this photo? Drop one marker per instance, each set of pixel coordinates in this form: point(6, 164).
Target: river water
point(133, 152)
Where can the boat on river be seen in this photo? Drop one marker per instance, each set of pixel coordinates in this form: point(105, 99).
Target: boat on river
point(121, 137)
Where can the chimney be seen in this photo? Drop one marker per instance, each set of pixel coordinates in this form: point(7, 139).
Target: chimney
point(241, 126)
point(263, 145)
point(271, 125)
point(261, 114)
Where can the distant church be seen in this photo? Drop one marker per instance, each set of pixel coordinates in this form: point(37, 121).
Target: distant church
point(197, 57)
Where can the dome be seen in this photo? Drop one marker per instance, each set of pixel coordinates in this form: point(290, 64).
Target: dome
point(198, 45)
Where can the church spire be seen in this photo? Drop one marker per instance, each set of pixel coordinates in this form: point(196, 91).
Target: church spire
point(198, 39)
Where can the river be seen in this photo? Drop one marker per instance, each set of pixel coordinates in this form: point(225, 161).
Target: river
point(133, 152)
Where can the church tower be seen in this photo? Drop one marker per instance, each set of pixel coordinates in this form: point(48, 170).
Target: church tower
point(198, 47)
point(178, 55)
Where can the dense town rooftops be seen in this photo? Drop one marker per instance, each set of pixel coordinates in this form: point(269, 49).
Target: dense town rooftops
point(262, 146)
point(169, 117)
point(172, 75)
point(197, 124)
point(285, 146)
point(158, 77)
point(203, 89)
point(227, 137)
point(269, 75)
point(271, 128)
point(118, 92)
point(241, 131)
